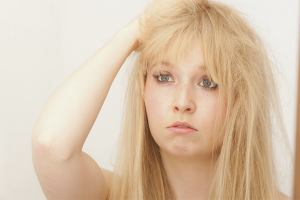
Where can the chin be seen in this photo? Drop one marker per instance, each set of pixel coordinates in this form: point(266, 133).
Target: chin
point(182, 148)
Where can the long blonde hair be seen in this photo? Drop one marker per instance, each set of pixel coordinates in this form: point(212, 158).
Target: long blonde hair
point(237, 60)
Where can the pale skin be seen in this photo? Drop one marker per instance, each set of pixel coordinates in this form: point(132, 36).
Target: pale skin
point(64, 171)
point(181, 97)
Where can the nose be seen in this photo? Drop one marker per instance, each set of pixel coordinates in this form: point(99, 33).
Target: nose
point(184, 101)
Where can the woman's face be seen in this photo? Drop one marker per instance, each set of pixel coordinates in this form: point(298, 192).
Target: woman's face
point(185, 94)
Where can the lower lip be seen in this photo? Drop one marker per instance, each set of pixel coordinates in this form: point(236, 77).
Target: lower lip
point(182, 130)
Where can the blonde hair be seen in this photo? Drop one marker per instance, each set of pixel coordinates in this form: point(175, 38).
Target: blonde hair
point(237, 60)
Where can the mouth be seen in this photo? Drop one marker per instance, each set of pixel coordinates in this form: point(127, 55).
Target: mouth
point(182, 128)
point(180, 124)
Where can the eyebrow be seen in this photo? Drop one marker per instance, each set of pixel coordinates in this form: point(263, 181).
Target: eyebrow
point(166, 63)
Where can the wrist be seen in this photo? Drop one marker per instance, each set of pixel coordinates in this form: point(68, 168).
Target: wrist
point(129, 35)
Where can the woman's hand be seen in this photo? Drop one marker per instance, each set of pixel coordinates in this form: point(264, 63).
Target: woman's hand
point(134, 25)
point(134, 28)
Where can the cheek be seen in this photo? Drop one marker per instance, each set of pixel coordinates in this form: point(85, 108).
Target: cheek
point(213, 108)
point(206, 116)
point(219, 134)
point(155, 104)
point(157, 109)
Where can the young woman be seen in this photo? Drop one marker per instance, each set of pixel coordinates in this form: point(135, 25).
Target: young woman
point(198, 115)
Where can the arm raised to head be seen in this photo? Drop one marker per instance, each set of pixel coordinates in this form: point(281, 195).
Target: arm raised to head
point(68, 116)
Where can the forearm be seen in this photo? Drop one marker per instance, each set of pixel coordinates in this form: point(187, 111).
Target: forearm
point(68, 116)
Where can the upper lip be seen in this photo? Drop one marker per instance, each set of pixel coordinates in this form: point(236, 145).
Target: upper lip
point(178, 123)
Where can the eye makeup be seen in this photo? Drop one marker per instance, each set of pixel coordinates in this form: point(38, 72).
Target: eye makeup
point(163, 77)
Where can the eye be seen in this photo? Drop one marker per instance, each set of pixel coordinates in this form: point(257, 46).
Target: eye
point(163, 78)
point(208, 85)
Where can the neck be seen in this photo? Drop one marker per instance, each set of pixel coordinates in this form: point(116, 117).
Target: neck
point(189, 178)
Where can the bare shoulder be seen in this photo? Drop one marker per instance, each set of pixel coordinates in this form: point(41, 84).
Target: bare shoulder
point(284, 197)
point(107, 175)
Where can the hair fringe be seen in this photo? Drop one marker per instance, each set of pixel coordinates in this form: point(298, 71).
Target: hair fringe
point(237, 60)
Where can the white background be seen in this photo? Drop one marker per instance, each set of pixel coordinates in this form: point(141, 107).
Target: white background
point(43, 42)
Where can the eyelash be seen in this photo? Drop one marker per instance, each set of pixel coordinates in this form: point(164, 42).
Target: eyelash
point(161, 82)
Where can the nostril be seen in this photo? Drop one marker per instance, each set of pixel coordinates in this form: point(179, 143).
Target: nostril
point(188, 109)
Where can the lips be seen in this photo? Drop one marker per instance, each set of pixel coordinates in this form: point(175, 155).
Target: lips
point(178, 123)
point(185, 131)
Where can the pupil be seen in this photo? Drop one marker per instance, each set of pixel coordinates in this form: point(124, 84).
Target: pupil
point(165, 78)
point(207, 83)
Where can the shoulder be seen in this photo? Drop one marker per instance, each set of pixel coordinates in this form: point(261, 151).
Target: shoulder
point(284, 197)
point(107, 175)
